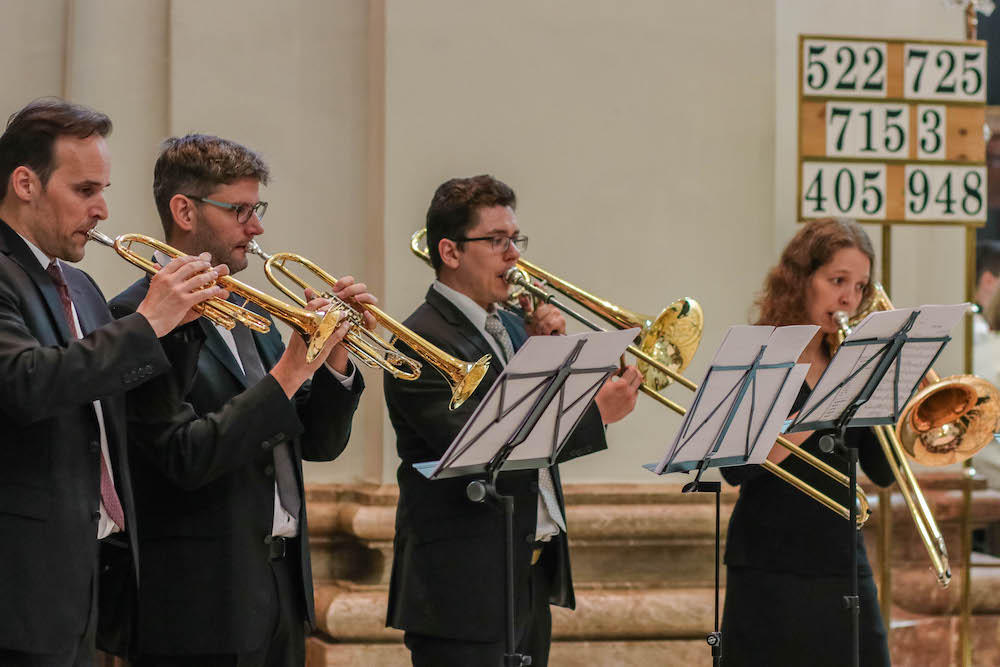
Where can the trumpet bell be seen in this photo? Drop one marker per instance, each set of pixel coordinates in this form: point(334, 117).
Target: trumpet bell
point(672, 339)
point(950, 421)
point(325, 327)
point(464, 384)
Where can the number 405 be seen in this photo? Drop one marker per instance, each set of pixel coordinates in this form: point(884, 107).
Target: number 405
point(854, 190)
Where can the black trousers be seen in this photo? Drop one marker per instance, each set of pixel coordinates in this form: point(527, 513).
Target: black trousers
point(533, 634)
point(778, 618)
point(284, 647)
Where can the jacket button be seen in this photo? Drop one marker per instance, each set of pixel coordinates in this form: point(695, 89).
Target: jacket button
point(268, 539)
point(94, 446)
point(265, 444)
point(96, 516)
point(278, 437)
point(148, 369)
point(529, 538)
point(269, 470)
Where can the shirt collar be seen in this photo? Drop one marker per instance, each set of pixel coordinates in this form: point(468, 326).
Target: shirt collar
point(42, 258)
point(469, 308)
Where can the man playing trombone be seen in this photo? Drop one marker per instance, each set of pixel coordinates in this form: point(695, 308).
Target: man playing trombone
point(65, 366)
point(226, 576)
point(446, 587)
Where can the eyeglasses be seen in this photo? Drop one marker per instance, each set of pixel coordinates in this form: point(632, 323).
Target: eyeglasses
point(500, 244)
point(243, 211)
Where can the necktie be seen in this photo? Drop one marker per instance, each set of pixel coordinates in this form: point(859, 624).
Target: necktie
point(495, 328)
point(284, 469)
point(546, 487)
point(109, 497)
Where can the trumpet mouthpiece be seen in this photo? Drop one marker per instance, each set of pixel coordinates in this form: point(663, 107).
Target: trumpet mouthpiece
point(255, 249)
point(101, 238)
point(840, 317)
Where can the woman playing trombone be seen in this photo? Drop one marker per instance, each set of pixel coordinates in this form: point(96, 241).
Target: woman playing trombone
point(787, 556)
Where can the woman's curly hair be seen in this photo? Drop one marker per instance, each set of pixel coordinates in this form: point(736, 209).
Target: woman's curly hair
point(783, 299)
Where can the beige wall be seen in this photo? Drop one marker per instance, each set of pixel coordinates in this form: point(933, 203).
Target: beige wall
point(651, 143)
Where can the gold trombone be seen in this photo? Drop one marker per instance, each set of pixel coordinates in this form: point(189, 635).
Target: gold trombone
point(666, 347)
point(945, 422)
point(315, 327)
point(371, 350)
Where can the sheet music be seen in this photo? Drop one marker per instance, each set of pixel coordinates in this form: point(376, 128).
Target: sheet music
point(755, 421)
point(913, 361)
point(488, 429)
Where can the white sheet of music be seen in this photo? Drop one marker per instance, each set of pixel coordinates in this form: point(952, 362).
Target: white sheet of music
point(932, 322)
point(764, 407)
point(486, 432)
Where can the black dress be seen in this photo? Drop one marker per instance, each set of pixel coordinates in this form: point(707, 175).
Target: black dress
point(787, 564)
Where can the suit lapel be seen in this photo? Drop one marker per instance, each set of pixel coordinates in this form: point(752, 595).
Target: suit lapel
point(12, 245)
point(218, 348)
point(463, 327)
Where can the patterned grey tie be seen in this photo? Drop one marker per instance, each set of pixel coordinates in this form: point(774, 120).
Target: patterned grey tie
point(495, 328)
point(284, 469)
point(546, 487)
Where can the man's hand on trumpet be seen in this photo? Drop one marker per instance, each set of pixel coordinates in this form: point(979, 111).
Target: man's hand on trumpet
point(292, 369)
point(355, 294)
point(175, 289)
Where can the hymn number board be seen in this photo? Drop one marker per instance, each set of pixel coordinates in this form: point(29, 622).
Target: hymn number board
point(892, 130)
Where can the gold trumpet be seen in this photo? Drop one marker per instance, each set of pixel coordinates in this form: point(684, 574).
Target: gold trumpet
point(219, 311)
point(315, 327)
point(666, 347)
point(371, 350)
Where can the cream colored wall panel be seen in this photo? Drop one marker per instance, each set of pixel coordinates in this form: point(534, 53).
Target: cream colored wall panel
point(118, 64)
point(32, 33)
point(639, 137)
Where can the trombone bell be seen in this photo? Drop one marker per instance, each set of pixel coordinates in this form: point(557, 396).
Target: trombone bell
point(950, 420)
point(672, 338)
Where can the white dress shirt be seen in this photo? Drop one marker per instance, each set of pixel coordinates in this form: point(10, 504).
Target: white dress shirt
point(545, 527)
point(105, 526)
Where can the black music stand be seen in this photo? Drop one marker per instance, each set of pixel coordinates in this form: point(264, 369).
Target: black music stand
point(538, 407)
point(736, 415)
point(864, 367)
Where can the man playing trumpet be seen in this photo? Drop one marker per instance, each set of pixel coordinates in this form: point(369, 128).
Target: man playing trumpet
point(65, 366)
point(226, 576)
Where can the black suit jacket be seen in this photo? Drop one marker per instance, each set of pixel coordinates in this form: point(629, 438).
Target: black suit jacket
point(448, 555)
point(50, 452)
point(205, 492)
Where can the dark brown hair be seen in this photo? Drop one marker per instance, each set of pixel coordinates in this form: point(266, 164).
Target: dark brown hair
point(31, 135)
point(783, 299)
point(196, 165)
point(454, 208)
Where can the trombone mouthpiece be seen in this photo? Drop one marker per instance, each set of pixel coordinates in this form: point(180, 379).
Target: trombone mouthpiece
point(101, 238)
point(516, 276)
point(840, 317)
